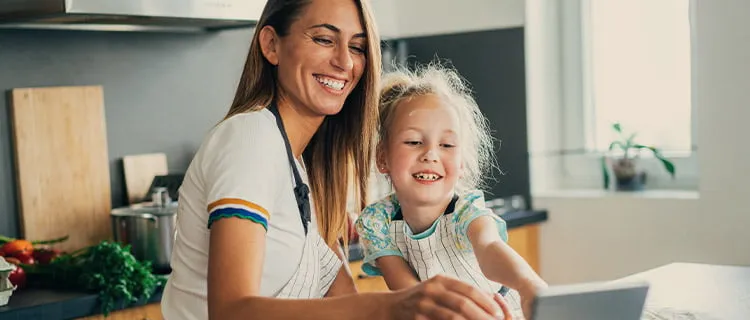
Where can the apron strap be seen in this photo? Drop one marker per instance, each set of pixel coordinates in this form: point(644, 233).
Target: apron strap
point(301, 190)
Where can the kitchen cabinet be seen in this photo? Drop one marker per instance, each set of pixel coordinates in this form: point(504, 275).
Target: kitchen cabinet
point(398, 19)
point(146, 312)
point(524, 240)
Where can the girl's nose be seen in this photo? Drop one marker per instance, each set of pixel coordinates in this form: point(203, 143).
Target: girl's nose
point(430, 156)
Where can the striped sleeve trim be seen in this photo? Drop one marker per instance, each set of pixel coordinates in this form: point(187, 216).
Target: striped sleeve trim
point(238, 208)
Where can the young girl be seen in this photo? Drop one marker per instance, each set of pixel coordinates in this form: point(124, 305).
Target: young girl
point(434, 147)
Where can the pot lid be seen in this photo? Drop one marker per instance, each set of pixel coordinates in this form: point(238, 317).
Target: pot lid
point(146, 208)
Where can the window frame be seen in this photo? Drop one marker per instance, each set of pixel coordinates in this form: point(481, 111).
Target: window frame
point(577, 161)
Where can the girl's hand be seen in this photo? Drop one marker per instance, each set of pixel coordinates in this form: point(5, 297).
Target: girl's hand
point(528, 293)
point(442, 297)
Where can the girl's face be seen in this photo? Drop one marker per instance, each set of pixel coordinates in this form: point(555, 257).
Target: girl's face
point(422, 155)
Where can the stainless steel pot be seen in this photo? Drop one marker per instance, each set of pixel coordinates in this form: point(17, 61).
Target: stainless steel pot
point(149, 230)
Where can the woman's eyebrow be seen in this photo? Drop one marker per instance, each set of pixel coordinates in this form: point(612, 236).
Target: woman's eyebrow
point(336, 29)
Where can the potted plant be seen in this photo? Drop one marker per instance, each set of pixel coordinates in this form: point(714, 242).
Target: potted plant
point(624, 162)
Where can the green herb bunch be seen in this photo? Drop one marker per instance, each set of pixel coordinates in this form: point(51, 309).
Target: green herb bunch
point(107, 268)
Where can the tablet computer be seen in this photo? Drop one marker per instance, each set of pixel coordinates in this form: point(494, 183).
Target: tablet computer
point(592, 301)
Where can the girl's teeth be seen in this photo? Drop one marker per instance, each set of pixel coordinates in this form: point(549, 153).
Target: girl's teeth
point(333, 84)
point(426, 176)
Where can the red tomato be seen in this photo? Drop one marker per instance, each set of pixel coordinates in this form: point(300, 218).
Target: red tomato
point(18, 277)
point(14, 247)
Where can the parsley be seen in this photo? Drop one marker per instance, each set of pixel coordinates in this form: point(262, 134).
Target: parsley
point(107, 268)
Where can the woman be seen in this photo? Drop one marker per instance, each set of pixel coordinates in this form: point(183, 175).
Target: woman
point(252, 240)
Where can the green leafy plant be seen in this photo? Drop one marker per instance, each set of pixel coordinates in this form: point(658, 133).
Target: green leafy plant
point(107, 268)
point(624, 166)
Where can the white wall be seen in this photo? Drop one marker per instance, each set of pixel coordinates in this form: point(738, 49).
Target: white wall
point(595, 237)
point(411, 18)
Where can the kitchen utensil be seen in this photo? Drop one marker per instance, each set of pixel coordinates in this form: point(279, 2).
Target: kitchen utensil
point(140, 171)
point(148, 229)
point(62, 165)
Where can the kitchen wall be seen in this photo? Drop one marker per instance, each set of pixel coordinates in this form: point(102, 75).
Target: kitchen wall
point(162, 92)
point(492, 61)
point(592, 236)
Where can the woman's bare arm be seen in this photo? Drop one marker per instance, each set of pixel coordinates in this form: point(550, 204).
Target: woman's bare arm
point(234, 286)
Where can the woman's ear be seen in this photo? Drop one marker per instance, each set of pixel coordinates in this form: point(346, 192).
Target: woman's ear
point(269, 44)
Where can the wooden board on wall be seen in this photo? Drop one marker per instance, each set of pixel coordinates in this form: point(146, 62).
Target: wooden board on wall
point(62, 165)
point(140, 171)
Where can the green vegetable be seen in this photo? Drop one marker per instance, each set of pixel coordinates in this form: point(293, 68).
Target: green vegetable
point(4, 239)
point(107, 268)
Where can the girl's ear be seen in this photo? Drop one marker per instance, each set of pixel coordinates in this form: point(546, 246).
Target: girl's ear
point(380, 159)
point(269, 41)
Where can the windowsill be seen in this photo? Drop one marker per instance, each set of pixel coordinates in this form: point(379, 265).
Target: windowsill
point(599, 194)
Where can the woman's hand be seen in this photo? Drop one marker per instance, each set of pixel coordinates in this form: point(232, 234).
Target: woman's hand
point(442, 297)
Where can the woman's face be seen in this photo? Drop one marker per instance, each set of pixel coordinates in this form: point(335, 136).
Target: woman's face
point(322, 58)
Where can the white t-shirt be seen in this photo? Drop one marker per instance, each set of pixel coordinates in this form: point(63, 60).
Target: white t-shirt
point(241, 169)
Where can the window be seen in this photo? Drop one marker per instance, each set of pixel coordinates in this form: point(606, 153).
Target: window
point(591, 63)
point(636, 58)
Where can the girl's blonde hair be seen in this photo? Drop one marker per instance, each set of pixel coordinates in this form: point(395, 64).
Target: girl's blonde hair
point(342, 148)
point(475, 139)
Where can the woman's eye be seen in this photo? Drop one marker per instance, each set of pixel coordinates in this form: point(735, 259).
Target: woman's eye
point(323, 41)
point(357, 50)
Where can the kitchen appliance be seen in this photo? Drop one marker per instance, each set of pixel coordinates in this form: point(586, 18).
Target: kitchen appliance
point(131, 15)
point(592, 300)
point(149, 230)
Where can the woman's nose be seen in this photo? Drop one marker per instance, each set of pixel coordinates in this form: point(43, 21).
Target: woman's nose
point(343, 58)
point(429, 156)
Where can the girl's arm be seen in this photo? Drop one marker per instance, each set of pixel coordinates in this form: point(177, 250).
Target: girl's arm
point(499, 262)
point(396, 272)
point(234, 285)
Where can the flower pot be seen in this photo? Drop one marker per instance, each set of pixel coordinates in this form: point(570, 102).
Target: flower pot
point(628, 177)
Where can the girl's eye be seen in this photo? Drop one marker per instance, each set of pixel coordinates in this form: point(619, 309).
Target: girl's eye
point(448, 145)
point(412, 142)
point(323, 41)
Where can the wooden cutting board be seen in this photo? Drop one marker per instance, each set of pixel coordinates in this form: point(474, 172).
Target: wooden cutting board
point(62, 165)
point(140, 171)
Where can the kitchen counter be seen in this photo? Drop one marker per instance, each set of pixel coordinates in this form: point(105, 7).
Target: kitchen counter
point(31, 304)
point(47, 304)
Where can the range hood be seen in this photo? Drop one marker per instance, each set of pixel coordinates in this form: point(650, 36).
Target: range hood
point(130, 15)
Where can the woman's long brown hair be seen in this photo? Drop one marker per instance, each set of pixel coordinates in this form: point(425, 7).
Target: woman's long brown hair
point(342, 149)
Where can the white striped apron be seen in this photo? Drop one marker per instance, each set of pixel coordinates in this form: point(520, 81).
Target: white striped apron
point(317, 270)
point(438, 254)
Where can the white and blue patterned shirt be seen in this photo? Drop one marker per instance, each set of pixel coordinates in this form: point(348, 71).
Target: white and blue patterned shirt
point(444, 248)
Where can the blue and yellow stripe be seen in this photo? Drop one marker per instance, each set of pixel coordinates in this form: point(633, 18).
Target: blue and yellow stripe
point(238, 208)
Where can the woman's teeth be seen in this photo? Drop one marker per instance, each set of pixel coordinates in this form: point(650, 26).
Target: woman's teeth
point(331, 83)
point(426, 176)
